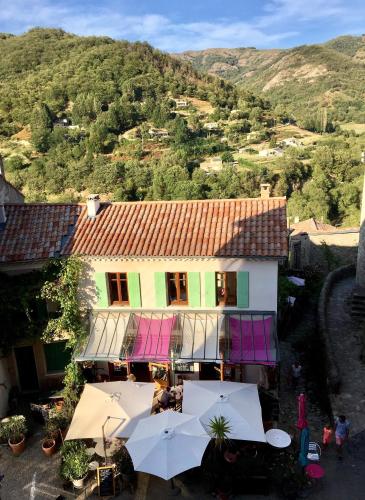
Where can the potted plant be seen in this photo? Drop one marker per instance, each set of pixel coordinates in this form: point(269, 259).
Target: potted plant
point(15, 429)
point(62, 420)
point(219, 429)
point(75, 462)
point(49, 443)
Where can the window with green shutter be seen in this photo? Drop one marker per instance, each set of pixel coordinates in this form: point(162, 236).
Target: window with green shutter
point(160, 290)
point(134, 290)
point(210, 289)
point(243, 289)
point(57, 357)
point(194, 289)
point(101, 286)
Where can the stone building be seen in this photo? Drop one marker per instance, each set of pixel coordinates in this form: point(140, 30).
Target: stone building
point(313, 243)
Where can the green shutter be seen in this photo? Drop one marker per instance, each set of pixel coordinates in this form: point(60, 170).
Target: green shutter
point(101, 290)
point(210, 290)
point(194, 289)
point(160, 290)
point(242, 289)
point(134, 290)
point(57, 357)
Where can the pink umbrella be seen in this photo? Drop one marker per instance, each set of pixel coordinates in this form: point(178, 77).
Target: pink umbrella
point(314, 471)
point(302, 411)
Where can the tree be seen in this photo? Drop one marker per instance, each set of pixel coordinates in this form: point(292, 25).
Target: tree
point(41, 126)
point(227, 157)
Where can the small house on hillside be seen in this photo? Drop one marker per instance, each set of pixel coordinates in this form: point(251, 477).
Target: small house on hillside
point(181, 103)
point(158, 133)
point(313, 242)
point(211, 126)
point(290, 142)
point(267, 153)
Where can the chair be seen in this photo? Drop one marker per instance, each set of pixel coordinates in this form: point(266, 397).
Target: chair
point(314, 452)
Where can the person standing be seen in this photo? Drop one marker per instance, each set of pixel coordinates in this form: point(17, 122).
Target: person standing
point(327, 435)
point(342, 431)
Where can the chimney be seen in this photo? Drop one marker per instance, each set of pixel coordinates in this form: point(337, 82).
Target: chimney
point(2, 216)
point(2, 169)
point(93, 205)
point(265, 191)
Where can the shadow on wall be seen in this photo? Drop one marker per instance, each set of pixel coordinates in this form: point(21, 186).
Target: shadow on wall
point(325, 252)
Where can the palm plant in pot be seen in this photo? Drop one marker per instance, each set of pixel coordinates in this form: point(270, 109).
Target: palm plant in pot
point(15, 429)
point(75, 462)
point(49, 442)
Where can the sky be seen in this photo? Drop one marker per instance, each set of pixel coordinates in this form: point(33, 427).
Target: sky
point(178, 25)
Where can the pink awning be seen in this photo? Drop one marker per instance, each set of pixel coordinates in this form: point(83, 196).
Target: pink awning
point(152, 339)
point(251, 341)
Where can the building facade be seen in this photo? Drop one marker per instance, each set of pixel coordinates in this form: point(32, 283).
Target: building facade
point(182, 288)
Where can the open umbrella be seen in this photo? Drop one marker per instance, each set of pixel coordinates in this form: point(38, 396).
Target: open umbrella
point(238, 403)
point(302, 412)
point(167, 444)
point(111, 409)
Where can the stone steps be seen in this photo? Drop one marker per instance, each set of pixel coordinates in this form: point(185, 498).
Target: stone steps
point(358, 306)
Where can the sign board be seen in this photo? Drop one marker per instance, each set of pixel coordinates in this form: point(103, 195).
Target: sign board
point(106, 481)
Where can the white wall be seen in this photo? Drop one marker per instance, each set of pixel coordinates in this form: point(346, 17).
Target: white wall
point(263, 276)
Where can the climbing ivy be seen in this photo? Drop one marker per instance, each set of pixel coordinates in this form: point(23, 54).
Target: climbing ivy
point(69, 323)
point(63, 291)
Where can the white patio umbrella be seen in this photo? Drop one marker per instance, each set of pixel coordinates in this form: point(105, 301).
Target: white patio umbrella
point(167, 444)
point(238, 403)
point(111, 409)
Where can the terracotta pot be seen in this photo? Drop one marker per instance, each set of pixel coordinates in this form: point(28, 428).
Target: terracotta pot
point(78, 483)
point(49, 447)
point(59, 405)
point(17, 448)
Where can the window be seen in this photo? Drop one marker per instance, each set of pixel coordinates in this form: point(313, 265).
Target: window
point(226, 287)
point(177, 286)
point(57, 357)
point(118, 288)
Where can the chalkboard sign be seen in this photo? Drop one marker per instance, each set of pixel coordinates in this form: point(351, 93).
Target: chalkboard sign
point(106, 481)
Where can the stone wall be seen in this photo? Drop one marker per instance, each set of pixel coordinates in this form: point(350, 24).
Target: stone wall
point(325, 249)
point(333, 372)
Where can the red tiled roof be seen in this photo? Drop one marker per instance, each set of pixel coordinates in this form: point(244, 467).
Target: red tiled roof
point(222, 228)
point(36, 231)
point(311, 226)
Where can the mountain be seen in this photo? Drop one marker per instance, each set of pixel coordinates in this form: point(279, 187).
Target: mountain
point(49, 65)
point(303, 79)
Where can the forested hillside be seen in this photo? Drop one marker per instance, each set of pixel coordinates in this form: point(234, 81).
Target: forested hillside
point(329, 77)
point(82, 115)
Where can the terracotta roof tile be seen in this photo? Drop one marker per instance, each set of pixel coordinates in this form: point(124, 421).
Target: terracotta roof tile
point(222, 228)
point(36, 231)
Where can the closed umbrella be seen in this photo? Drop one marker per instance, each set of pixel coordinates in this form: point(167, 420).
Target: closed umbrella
point(304, 446)
point(238, 403)
point(167, 444)
point(111, 409)
point(302, 412)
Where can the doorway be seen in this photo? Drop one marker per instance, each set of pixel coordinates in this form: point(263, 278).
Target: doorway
point(141, 371)
point(209, 371)
point(27, 371)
